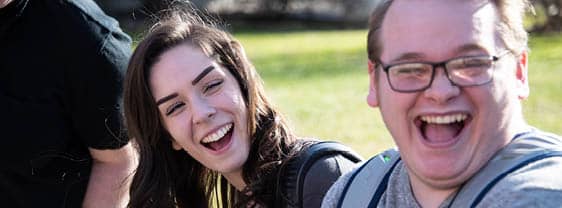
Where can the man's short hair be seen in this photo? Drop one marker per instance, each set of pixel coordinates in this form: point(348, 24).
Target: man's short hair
point(509, 27)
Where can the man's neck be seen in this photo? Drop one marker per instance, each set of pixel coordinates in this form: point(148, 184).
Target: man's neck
point(432, 200)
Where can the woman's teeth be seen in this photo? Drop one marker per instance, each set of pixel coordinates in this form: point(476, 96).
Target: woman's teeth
point(217, 135)
point(447, 119)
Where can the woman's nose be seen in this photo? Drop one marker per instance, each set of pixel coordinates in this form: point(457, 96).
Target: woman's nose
point(203, 111)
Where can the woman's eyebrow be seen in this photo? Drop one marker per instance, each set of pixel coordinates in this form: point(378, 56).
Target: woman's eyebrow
point(166, 98)
point(202, 74)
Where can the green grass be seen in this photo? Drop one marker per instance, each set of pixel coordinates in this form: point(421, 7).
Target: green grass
point(544, 106)
point(319, 81)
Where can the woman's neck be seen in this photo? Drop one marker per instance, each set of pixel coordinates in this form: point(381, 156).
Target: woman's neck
point(235, 179)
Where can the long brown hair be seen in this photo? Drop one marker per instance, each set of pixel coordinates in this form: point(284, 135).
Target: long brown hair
point(169, 178)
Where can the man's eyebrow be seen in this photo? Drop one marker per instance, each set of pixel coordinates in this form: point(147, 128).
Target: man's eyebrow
point(408, 56)
point(462, 49)
point(470, 47)
point(200, 76)
point(166, 98)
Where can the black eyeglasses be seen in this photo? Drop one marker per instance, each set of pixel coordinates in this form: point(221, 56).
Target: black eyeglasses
point(461, 71)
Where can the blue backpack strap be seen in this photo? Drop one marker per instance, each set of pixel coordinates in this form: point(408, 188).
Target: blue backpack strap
point(360, 189)
point(519, 153)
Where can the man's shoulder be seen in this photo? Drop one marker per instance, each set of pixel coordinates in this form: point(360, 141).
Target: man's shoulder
point(536, 185)
point(80, 10)
point(76, 18)
point(538, 138)
point(543, 171)
point(92, 12)
point(529, 163)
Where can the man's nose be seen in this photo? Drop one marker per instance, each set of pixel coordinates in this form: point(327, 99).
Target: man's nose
point(442, 89)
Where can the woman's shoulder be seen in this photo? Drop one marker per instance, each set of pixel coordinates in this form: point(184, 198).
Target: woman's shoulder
point(306, 147)
point(316, 167)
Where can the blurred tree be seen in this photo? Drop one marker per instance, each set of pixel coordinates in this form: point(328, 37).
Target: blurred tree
point(551, 10)
point(132, 14)
point(153, 6)
point(347, 11)
point(275, 7)
point(145, 7)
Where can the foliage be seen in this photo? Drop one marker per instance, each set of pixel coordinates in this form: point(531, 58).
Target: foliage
point(550, 15)
point(544, 106)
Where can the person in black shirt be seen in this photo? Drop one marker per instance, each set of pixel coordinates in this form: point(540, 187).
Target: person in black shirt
point(61, 70)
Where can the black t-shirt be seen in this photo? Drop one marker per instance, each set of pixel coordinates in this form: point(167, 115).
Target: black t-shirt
point(61, 69)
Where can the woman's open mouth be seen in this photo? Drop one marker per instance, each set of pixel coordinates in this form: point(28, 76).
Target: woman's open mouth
point(441, 130)
point(218, 140)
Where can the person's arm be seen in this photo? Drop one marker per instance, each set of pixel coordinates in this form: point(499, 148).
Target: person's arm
point(110, 178)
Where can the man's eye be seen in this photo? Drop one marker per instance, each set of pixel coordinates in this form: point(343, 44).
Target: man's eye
point(174, 107)
point(475, 62)
point(212, 86)
point(410, 70)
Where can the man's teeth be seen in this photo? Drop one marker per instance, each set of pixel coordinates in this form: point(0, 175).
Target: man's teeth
point(444, 119)
point(217, 135)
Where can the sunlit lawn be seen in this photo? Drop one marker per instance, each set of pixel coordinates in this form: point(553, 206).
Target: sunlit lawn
point(319, 81)
point(544, 107)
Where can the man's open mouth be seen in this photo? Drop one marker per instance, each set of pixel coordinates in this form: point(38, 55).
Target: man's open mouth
point(438, 129)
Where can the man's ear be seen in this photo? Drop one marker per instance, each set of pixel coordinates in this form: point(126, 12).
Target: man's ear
point(522, 82)
point(372, 99)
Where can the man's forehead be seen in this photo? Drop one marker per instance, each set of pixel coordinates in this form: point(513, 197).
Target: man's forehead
point(413, 5)
point(435, 26)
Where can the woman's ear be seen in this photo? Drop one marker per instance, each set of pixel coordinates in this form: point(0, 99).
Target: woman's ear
point(175, 145)
point(372, 99)
point(521, 76)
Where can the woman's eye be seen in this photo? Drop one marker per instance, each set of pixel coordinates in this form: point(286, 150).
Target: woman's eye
point(174, 107)
point(212, 86)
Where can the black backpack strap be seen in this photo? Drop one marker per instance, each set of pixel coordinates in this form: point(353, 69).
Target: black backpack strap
point(518, 154)
point(294, 173)
point(360, 190)
point(317, 151)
